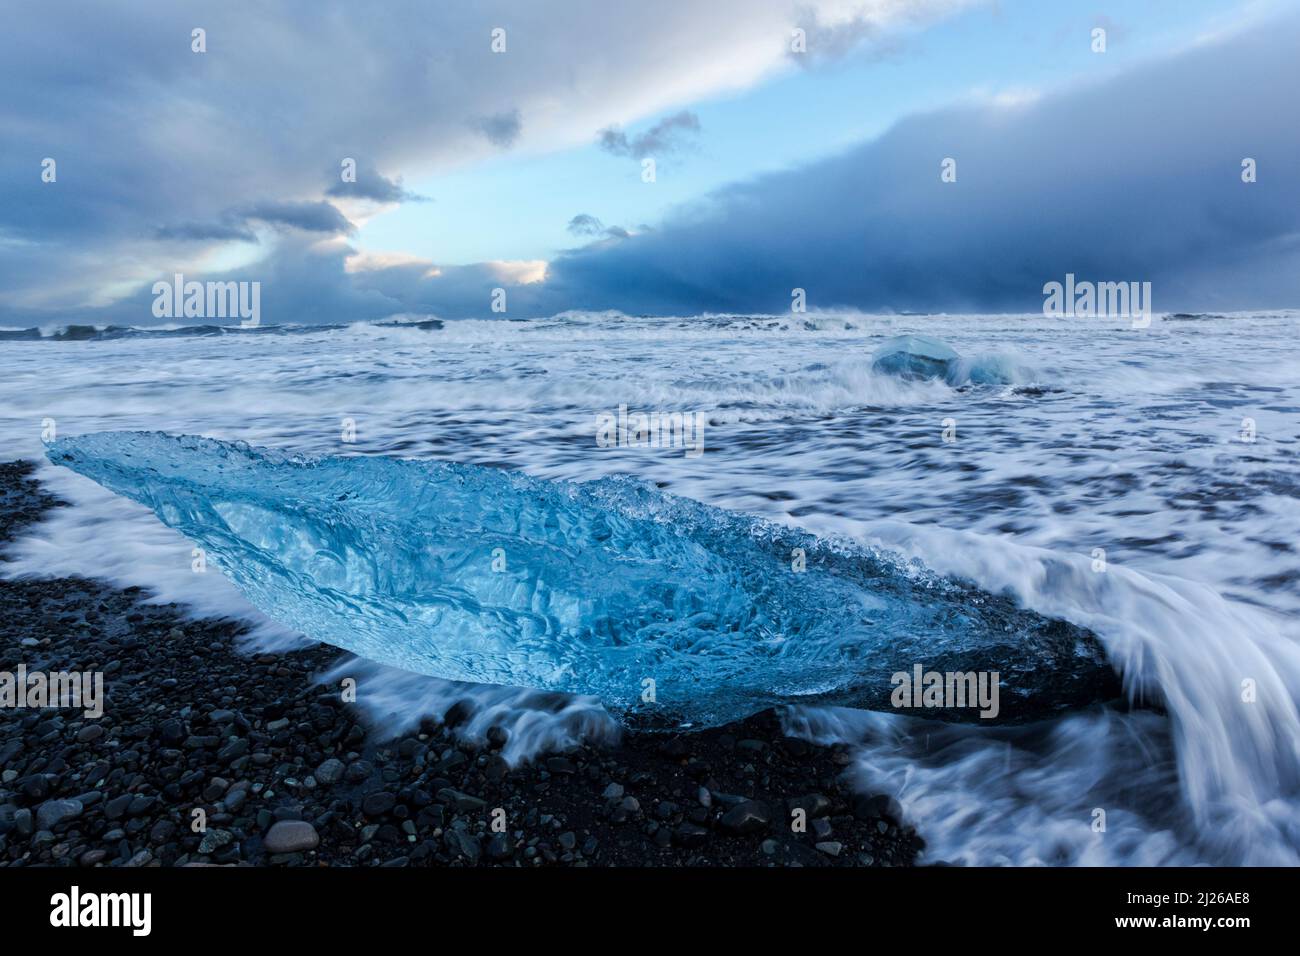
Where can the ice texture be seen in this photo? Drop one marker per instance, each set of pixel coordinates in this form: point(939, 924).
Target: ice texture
point(918, 357)
point(914, 357)
point(670, 611)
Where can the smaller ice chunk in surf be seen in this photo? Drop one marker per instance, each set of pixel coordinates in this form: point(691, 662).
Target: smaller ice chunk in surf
point(915, 357)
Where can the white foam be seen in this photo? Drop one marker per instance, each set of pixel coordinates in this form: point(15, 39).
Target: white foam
point(108, 538)
point(535, 722)
point(1176, 643)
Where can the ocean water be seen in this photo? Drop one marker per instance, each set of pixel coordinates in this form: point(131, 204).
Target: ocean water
point(1170, 453)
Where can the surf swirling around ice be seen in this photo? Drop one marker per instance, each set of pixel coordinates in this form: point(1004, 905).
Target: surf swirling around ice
point(1211, 776)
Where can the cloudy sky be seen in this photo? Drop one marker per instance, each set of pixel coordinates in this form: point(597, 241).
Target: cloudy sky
point(503, 144)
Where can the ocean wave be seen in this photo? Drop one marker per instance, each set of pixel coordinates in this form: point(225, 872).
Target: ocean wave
point(612, 323)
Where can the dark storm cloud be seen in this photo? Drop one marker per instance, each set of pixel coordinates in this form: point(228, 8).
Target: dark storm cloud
point(308, 216)
point(207, 231)
point(589, 226)
point(867, 34)
point(373, 185)
point(585, 225)
point(1134, 179)
point(667, 136)
point(501, 129)
point(829, 41)
point(317, 216)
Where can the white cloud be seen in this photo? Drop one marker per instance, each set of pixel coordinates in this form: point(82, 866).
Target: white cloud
point(152, 137)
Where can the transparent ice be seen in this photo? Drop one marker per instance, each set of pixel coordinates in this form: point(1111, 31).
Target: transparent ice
point(488, 575)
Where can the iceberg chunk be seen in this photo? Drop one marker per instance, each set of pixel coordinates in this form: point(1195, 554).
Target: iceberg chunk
point(991, 369)
point(668, 610)
point(915, 357)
